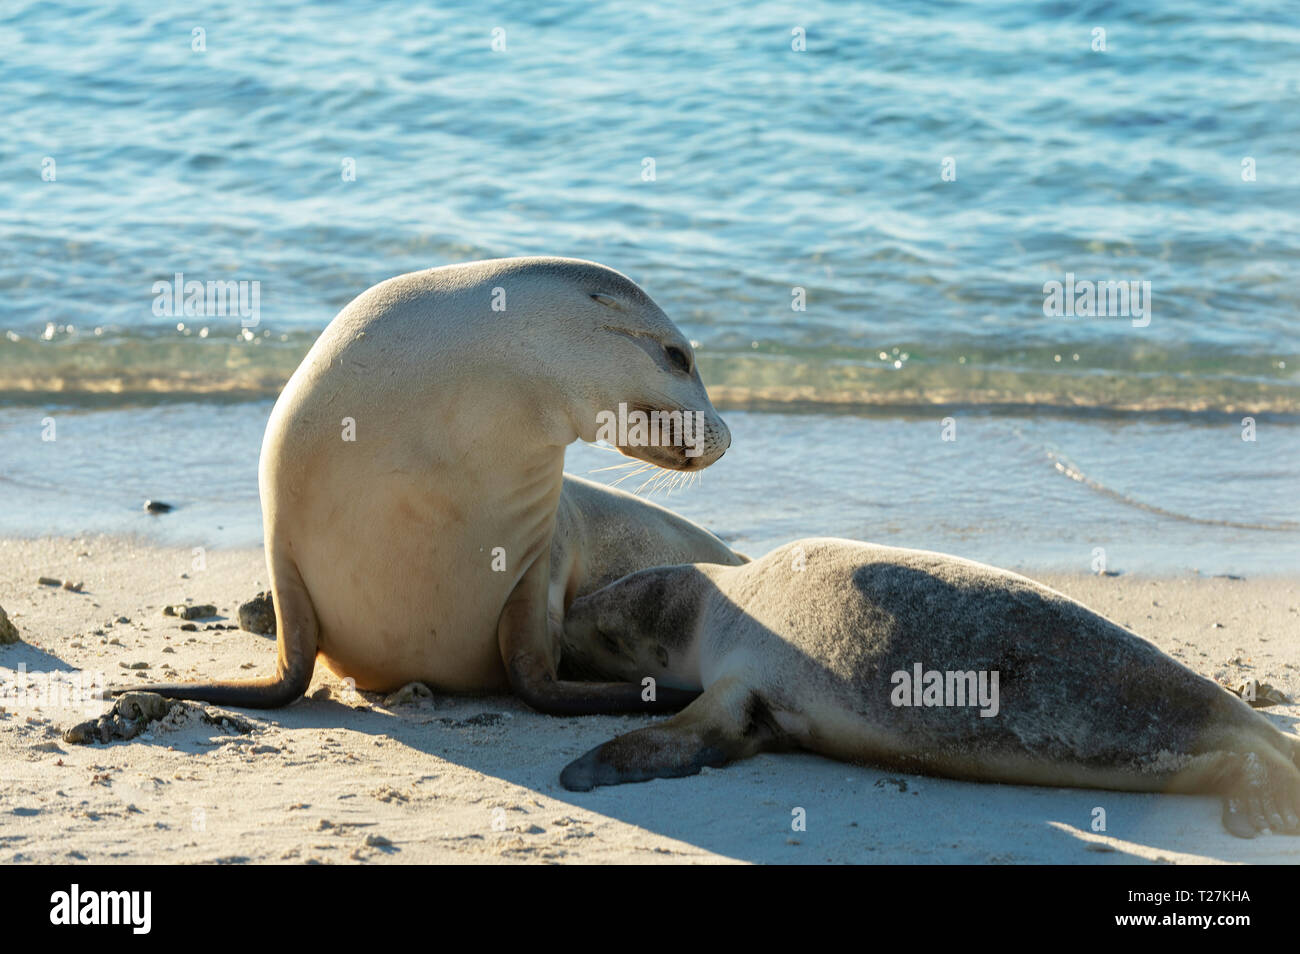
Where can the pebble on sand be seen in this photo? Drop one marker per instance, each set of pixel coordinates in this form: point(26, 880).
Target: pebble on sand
point(8, 631)
point(66, 584)
point(184, 611)
point(258, 614)
point(157, 506)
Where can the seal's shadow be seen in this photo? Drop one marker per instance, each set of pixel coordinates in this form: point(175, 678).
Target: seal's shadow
point(853, 813)
point(35, 659)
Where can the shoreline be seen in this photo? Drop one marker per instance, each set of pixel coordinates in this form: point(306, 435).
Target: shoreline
point(342, 778)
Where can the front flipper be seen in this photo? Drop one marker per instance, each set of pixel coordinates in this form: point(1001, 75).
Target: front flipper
point(530, 661)
point(728, 722)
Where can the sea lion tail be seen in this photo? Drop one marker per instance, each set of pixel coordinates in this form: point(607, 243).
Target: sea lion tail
point(269, 693)
point(297, 632)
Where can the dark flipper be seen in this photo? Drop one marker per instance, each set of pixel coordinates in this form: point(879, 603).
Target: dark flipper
point(296, 634)
point(270, 693)
point(728, 722)
point(533, 682)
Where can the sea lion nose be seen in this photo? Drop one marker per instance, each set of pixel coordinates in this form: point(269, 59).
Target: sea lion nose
point(724, 436)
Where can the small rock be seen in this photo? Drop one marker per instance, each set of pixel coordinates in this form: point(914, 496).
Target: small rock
point(73, 587)
point(226, 720)
point(131, 713)
point(157, 506)
point(134, 665)
point(377, 841)
point(48, 581)
point(189, 627)
point(8, 631)
point(258, 614)
point(186, 611)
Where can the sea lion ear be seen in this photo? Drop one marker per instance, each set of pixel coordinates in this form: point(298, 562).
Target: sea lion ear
point(607, 301)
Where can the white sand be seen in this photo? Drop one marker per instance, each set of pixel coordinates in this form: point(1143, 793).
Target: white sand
point(320, 779)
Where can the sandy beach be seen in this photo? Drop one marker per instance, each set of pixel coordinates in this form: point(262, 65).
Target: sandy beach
point(341, 777)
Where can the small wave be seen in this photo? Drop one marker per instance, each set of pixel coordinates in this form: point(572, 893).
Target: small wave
point(121, 367)
point(1063, 465)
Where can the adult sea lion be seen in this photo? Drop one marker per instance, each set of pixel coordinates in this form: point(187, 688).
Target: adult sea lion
point(830, 645)
point(412, 468)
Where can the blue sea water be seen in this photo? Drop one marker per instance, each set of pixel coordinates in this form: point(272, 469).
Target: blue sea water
point(1172, 157)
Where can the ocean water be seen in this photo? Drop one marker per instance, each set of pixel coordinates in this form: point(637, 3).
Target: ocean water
point(857, 235)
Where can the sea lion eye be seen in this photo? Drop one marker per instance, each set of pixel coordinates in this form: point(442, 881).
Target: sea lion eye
point(677, 358)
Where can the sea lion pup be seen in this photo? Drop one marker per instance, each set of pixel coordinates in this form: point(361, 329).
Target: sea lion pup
point(602, 534)
point(412, 468)
point(820, 644)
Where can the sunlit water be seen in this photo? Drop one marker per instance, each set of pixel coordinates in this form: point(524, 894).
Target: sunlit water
point(129, 156)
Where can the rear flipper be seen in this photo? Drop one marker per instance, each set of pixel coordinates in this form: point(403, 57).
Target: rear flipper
point(728, 722)
point(297, 634)
point(272, 693)
point(1261, 791)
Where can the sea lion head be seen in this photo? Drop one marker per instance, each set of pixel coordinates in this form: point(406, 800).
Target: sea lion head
point(640, 625)
point(628, 373)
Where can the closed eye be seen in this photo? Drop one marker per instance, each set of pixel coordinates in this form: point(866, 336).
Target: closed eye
point(677, 358)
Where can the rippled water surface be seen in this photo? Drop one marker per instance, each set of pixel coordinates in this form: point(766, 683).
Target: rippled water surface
point(129, 156)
